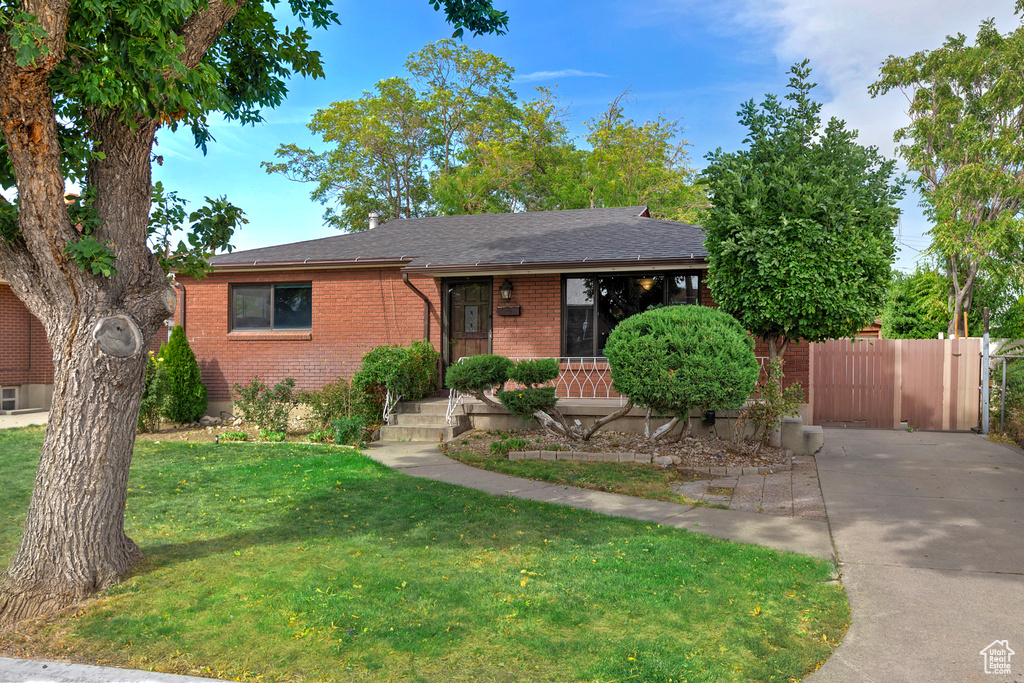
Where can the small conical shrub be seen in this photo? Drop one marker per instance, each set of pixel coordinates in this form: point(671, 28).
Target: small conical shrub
point(186, 393)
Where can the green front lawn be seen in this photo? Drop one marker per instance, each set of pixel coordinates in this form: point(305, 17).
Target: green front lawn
point(309, 563)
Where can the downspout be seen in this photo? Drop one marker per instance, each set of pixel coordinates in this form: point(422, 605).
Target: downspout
point(426, 306)
point(181, 307)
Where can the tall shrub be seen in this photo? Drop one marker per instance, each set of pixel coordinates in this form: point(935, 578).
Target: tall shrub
point(186, 393)
point(675, 359)
point(410, 373)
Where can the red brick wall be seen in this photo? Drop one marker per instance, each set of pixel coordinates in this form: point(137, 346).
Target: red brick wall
point(357, 309)
point(25, 356)
point(537, 330)
point(354, 310)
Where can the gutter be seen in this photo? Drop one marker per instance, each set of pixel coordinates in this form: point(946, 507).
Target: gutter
point(426, 306)
point(311, 264)
point(182, 307)
point(693, 261)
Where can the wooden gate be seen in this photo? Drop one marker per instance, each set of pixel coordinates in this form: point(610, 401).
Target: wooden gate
point(932, 384)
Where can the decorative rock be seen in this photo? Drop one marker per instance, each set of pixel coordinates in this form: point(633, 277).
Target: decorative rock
point(676, 460)
point(210, 421)
point(238, 422)
point(663, 460)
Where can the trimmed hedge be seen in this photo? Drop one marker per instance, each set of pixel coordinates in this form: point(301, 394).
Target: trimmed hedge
point(678, 358)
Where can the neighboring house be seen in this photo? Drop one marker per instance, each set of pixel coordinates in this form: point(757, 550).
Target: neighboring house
point(538, 284)
point(26, 365)
point(26, 361)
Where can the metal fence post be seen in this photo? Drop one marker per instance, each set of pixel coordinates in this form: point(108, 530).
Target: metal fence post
point(984, 375)
point(1002, 401)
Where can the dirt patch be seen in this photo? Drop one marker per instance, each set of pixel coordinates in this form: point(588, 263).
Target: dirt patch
point(693, 451)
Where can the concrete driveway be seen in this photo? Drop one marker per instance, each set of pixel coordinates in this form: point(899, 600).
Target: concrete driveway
point(929, 531)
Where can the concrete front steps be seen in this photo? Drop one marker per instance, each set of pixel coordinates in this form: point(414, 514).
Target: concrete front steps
point(424, 421)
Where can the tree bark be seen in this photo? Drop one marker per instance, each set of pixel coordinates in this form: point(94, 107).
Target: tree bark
point(73, 542)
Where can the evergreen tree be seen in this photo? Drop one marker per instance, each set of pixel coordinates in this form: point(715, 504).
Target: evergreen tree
point(186, 393)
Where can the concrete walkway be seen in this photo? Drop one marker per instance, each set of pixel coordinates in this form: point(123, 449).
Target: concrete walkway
point(929, 529)
point(806, 536)
point(24, 420)
point(793, 493)
point(32, 671)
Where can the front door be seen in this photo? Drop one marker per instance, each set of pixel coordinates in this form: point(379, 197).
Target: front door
point(469, 318)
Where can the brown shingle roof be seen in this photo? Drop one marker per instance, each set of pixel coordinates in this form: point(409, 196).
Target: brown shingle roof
point(500, 241)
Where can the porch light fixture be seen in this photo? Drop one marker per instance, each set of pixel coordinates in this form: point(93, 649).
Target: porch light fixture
point(646, 283)
point(506, 290)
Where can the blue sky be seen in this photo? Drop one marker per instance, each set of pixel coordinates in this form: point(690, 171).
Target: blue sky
point(686, 59)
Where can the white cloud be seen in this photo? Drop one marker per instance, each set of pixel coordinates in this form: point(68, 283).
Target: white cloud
point(846, 41)
point(552, 75)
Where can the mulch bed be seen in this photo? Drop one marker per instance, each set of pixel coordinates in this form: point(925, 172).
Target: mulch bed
point(692, 451)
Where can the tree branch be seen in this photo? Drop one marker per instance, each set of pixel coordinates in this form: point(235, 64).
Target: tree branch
point(202, 29)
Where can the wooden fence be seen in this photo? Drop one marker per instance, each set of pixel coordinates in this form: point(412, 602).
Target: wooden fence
point(932, 384)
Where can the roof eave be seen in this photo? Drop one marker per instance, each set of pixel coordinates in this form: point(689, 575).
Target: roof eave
point(587, 266)
point(307, 264)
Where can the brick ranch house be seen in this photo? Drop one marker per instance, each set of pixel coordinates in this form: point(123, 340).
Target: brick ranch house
point(538, 284)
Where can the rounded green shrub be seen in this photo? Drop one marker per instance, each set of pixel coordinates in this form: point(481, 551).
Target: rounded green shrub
point(186, 393)
point(475, 374)
point(678, 358)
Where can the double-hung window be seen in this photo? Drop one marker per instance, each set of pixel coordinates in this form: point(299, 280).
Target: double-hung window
point(593, 305)
point(272, 307)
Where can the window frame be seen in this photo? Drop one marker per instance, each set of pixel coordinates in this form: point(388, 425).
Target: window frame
point(596, 303)
point(4, 399)
point(272, 286)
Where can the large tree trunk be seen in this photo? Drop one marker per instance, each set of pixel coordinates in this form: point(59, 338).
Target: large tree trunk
point(73, 541)
point(99, 329)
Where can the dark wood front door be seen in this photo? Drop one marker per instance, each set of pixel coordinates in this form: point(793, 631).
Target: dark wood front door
point(469, 318)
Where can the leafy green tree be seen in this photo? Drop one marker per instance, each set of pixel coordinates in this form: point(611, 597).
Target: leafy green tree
point(84, 87)
point(451, 138)
point(915, 306)
point(799, 234)
point(185, 393)
point(632, 164)
point(964, 141)
point(378, 162)
point(672, 360)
